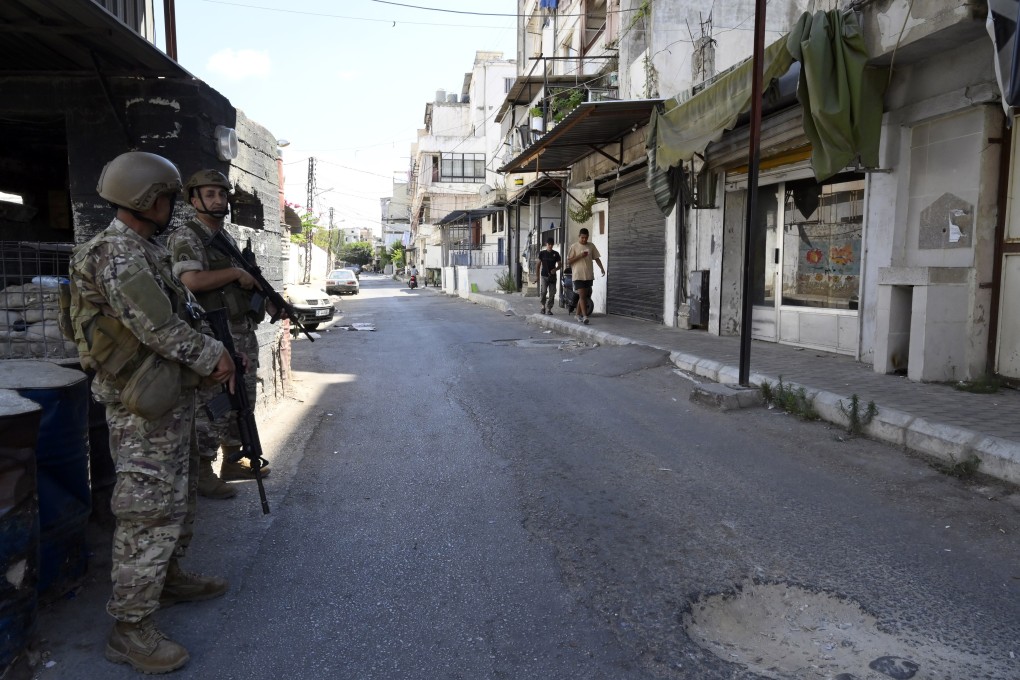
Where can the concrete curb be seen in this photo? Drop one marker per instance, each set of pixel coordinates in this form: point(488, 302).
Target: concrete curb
point(1000, 458)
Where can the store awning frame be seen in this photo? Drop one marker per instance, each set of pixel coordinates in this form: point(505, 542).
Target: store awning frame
point(457, 216)
point(590, 128)
point(46, 37)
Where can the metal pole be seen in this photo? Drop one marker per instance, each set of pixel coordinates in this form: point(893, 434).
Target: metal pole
point(170, 28)
point(754, 156)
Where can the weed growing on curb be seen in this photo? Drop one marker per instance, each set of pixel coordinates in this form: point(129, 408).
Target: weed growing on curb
point(856, 420)
point(506, 282)
point(986, 384)
point(961, 469)
point(791, 400)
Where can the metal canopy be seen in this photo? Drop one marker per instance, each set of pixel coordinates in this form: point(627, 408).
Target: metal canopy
point(46, 37)
point(467, 215)
point(587, 129)
point(545, 185)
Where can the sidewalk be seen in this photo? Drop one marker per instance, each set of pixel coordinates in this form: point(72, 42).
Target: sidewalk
point(933, 419)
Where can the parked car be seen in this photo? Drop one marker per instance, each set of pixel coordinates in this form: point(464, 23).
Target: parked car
point(342, 281)
point(312, 305)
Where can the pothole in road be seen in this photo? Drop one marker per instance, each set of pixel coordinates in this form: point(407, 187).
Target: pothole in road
point(783, 631)
point(533, 343)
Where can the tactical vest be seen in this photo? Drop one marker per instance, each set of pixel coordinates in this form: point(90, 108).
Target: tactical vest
point(105, 345)
point(236, 300)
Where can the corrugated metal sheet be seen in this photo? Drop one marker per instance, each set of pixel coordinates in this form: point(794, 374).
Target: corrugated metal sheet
point(44, 37)
point(588, 129)
point(637, 245)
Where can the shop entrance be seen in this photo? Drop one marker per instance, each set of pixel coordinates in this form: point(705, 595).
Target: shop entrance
point(806, 274)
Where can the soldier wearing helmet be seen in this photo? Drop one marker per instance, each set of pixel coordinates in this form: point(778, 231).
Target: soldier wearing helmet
point(131, 319)
point(212, 277)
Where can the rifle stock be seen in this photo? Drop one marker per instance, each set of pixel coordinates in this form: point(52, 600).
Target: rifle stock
point(283, 308)
point(223, 403)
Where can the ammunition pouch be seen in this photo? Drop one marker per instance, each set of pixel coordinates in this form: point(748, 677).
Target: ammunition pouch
point(114, 352)
point(153, 389)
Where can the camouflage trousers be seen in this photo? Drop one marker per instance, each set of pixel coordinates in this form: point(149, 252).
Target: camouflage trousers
point(210, 434)
point(154, 502)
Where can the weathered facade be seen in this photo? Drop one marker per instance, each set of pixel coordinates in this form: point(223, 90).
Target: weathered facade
point(901, 258)
point(454, 192)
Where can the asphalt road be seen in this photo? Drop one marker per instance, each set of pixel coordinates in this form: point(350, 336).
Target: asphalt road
point(458, 494)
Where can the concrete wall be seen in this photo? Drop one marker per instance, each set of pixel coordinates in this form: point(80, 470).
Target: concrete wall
point(170, 117)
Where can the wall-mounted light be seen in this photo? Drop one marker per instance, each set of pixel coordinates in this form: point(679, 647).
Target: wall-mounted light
point(226, 143)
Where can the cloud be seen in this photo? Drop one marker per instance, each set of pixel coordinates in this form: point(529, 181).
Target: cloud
point(239, 64)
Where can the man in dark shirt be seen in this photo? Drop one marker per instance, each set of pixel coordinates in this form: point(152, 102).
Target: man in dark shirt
point(549, 261)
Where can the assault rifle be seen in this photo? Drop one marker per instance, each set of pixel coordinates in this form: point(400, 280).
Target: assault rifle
point(246, 261)
point(225, 402)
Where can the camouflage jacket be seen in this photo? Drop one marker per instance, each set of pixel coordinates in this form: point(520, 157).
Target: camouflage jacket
point(190, 253)
point(129, 278)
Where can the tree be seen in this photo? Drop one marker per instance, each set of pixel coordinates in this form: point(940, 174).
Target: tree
point(359, 252)
point(396, 254)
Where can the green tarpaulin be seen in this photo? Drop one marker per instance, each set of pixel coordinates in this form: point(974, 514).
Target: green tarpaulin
point(840, 94)
point(841, 97)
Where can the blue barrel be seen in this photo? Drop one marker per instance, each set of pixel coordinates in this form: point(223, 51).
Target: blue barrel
point(19, 526)
point(101, 467)
point(62, 467)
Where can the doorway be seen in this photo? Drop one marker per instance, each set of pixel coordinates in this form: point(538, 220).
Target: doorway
point(806, 274)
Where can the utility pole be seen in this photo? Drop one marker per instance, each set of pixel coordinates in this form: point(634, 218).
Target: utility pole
point(329, 245)
point(753, 159)
point(308, 236)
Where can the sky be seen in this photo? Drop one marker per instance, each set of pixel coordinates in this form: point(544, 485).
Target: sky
point(344, 81)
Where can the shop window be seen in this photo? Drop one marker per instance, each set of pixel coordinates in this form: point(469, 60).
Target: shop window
point(822, 232)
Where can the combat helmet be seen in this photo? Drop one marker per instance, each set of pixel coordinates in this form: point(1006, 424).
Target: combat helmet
point(207, 177)
point(134, 180)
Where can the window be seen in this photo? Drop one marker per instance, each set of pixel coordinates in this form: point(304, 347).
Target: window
point(822, 233)
point(462, 167)
point(507, 84)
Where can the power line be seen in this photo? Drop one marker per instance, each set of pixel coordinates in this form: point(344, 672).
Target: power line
point(349, 18)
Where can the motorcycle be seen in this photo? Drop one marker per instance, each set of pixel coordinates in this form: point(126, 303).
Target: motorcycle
point(568, 298)
point(412, 282)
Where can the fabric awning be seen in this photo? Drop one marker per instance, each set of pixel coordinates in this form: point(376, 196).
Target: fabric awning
point(687, 128)
point(1003, 19)
point(589, 128)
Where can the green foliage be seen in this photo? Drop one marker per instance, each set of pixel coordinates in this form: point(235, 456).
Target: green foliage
point(791, 400)
point(396, 254)
point(359, 252)
point(583, 211)
point(565, 102)
point(535, 112)
point(506, 282)
point(309, 224)
point(856, 420)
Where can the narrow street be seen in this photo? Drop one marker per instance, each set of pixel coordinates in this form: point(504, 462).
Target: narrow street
point(459, 494)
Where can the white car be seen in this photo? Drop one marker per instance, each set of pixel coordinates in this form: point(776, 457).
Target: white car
point(342, 281)
point(312, 305)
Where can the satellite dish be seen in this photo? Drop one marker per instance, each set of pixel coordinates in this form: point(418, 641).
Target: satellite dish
point(484, 190)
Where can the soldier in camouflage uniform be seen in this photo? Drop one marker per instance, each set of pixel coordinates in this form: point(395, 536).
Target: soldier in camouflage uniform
point(218, 284)
point(130, 318)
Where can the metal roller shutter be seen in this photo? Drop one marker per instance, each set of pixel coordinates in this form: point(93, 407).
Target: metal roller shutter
point(637, 245)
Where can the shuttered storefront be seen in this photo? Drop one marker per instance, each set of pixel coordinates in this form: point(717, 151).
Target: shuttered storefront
point(637, 248)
